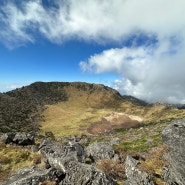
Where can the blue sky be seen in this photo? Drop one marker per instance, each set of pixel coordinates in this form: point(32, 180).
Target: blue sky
point(48, 62)
point(134, 46)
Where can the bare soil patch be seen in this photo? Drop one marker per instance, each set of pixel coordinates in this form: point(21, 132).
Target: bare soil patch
point(114, 121)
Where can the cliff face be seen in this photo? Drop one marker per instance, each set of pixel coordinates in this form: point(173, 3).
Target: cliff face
point(174, 138)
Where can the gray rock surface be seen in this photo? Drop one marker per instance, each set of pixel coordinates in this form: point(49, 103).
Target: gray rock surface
point(83, 174)
point(100, 150)
point(56, 154)
point(134, 175)
point(32, 176)
point(24, 139)
point(7, 138)
point(18, 138)
point(65, 166)
point(69, 160)
point(174, 138)
point(115, 141)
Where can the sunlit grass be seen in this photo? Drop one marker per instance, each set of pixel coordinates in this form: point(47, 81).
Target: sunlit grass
point(67, 121)
point(13, 158)
point(73, 117)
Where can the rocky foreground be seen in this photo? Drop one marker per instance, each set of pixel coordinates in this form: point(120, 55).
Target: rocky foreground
point(68, 162)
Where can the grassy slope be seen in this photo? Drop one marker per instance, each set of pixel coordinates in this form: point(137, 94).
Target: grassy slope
point(74, 116)
point(83, 107)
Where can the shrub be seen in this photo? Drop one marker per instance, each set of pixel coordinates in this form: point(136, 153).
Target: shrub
point(112, 167)
point(154, 163)
point(49, 135)
point(36, 158)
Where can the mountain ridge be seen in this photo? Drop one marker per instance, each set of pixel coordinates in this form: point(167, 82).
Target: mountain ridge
point(26, 104)
point(70, 105)
point(93, 113)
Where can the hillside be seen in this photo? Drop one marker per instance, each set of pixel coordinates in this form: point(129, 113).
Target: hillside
point(21, 108)
point(91, 112)
point(88, 105)
point(76, 108)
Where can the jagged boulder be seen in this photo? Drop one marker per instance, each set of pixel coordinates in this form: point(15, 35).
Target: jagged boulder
point(33, 176)
point(51, 150)
point(19, 138)
point(100, 150)
point(174, 138)
point(134, 175)
point(7, 138)
point(69, 160)
point(115, 141)
point(24, 139)
point(80, 173)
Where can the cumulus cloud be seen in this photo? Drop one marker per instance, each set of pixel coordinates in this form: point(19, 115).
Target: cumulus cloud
point(100, 21)
point(10, 86)
point(149, 71)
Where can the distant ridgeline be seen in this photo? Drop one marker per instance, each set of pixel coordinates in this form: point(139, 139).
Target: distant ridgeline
point(21, 109)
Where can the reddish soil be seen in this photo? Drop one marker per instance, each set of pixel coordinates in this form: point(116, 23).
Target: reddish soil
point(112, 122)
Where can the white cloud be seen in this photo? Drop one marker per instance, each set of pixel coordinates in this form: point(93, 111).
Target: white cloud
point(148, 73)
point(10, 86)
point(96, 20)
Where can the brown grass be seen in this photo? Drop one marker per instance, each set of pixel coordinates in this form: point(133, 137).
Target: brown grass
point(112, 167)
point(74, 116)
point(14, 158)
point(154, 163)
point(85, 110)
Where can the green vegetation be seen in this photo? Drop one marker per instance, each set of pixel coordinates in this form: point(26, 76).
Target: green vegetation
point(56, 110)
point(154, 163)
point(138, 145)
point(13, 158)
point(70, 108)
point(112, 167)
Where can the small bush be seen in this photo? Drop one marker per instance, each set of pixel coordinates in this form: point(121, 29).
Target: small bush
point(37, 158)
point(112, 167)
point(154, 161)
point(49, 135)
point(48, 182)
point(2, 145)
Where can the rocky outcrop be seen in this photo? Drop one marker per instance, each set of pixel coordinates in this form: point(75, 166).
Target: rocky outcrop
point(79, 173)
point(174, 138)
point(100, 150)
point(19, 138)
point(69, 162)
point(7, 138)
point(56, 154)
point(65, 165)
point(134, 175)
point(32, 176)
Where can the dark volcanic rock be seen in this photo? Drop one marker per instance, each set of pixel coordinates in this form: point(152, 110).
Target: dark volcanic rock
point(65, 167)
point(24, 139)
point(134, 175)
point(56, 153)
point(83, 174)
point(19, 138)
point(7, 138)
point(69, 160)
point(174, 138)
point(100, 150)
point(32, 176)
